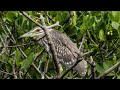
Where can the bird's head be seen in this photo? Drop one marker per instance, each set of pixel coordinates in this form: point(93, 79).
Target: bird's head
point(35, 33)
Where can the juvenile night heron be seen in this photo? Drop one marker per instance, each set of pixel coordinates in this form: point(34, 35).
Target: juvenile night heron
point(66, 50)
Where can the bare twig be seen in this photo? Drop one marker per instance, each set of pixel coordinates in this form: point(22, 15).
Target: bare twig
point(112, 51)
point(108, 71)
point(6, 72)
point(49, 42)
point(87, 53)
point(71, 68)
point(10, 34)
point(2, 40)
point(82, 42)
point(92, 67)
point(13, 68)
point(54, 25)
point(17, 45)
point(38, 71)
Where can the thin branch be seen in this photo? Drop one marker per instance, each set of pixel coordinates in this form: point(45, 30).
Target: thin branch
point(70, 68)
point(2, 40)
point(54, 25)
point(112, 51)
point(87, 53)
point(22, 52)
point(6, 72)
point(38, 70)
point(108, 71)
point(45, 29)
point(42, 73)
point(16, 45)
point(13, 68)
point(82, 42)
point(10, 34)
point(92, 67)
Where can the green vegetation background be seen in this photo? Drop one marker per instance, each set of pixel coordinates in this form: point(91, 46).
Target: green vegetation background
point(102, 30)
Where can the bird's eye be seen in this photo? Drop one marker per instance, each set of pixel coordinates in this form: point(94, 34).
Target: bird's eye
point(37, 30)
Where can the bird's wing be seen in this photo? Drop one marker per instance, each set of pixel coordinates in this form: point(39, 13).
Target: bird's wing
point(66, 42)
point(70, 53)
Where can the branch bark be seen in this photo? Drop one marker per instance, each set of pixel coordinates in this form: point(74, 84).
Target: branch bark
point(49, 43)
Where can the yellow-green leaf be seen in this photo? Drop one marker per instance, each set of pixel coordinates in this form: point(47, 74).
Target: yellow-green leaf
point(101, 35)
point(115, 25)
point(27, 62)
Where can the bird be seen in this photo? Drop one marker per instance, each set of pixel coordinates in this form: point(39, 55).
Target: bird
point(66, 51)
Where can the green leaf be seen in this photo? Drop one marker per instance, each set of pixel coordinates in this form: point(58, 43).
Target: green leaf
point(116, 16)
point(114, 13)
point(74, 18)
point(17, 57)
point(118, 77)
point(105, 65)
point(71, 32)
point(25, 64)
point(118, 30)
point(8, 67)
point(11, 15)
point(115, 25)
point(99, 68)
point(91, 21)
point(101, 35)
point(59, 17)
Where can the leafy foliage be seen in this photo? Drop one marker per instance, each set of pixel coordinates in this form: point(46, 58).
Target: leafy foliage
point(102, 30)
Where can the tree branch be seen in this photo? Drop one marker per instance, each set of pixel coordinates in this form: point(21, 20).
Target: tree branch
point(108, 71)
point(45, 29)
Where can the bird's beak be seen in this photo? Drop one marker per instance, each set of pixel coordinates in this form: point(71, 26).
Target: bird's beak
point(29, 34)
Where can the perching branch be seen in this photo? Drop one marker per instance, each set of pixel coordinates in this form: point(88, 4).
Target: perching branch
point(45, 29)
point(108, 71)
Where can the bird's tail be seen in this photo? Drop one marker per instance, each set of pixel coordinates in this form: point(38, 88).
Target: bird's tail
point(82, 67)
